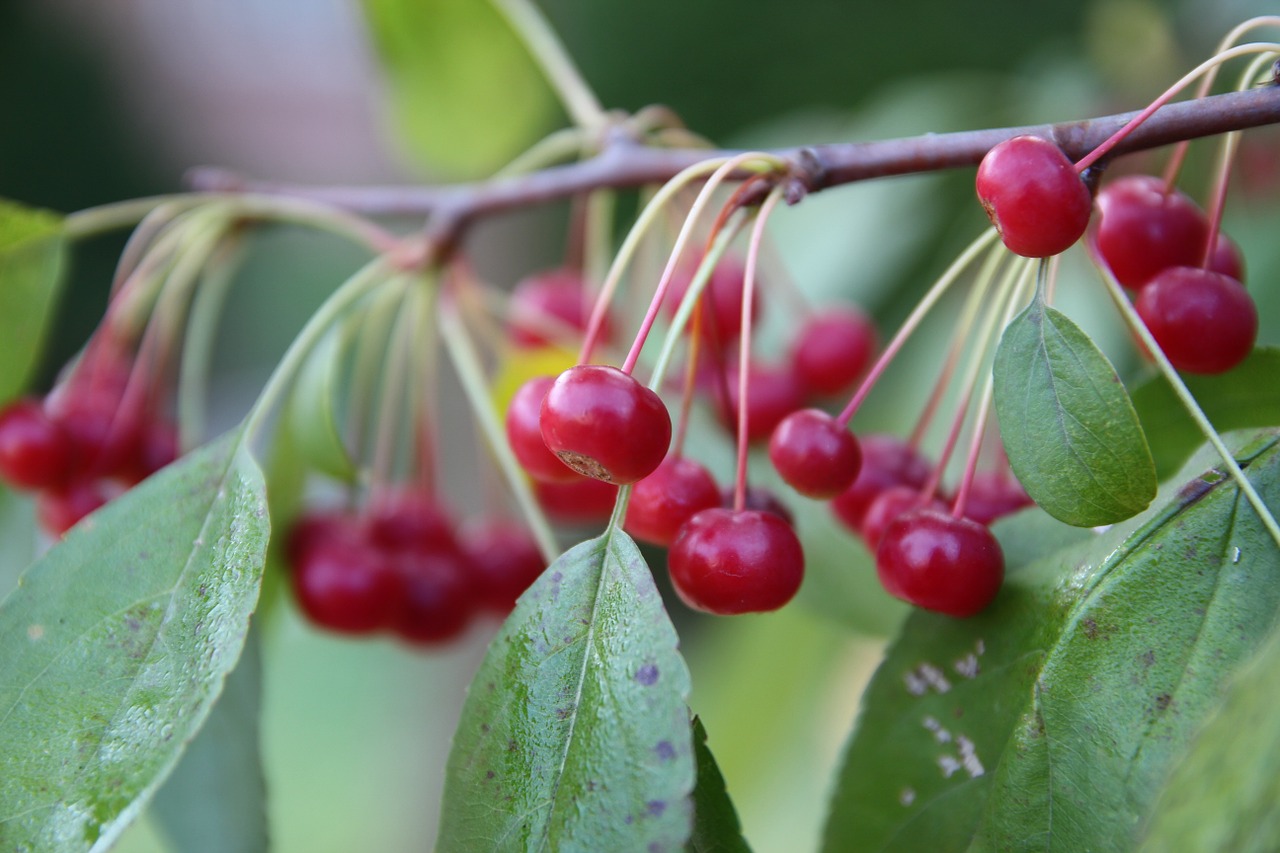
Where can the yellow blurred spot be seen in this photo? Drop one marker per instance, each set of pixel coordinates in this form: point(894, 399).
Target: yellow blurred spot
point(518, 366)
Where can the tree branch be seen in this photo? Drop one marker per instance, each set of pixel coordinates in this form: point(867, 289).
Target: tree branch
point(626, 163)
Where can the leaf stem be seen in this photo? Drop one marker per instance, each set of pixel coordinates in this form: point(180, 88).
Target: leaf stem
point(1189, 403)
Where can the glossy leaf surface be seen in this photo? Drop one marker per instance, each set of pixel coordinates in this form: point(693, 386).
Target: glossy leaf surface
point(32, 257)
point(1068, 426)
point(1050, 721)
point(575, 733)
point(115, 644)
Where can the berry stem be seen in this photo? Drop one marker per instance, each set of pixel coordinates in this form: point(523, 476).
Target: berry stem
point(744, 350)
point(560, 146)
point(686, 231)
point(466, 362)
point(1209, 64)
point(392, 398)
point(1189, 403)
point(546, 49)
point(913, 321)
point(196, 362)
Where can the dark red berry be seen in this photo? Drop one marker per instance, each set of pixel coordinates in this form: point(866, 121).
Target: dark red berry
point(832, 350)
point(409, 518)
point(758, 498)
point(582, 502)
point(995, 494)
point(887, 506)
point(1034, 196)
point(438, 600)
point(721, 300)
point(550, 307)
point(345, 584)
point(602, 423)
point(1227, 258)
point(504, 559)
point(35, 453)
point(58, 510)
point(156, 447)
point(662, 502)
point(1205, 322)
point(939, 562)
point(729, 562)
point(524, 434)
point(1143, 229)
point(772, 394)
point(886, 461)
point(814, 454)
point(317, 527)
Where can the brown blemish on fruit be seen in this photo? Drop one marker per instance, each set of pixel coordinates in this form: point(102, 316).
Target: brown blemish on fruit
point(585, 465)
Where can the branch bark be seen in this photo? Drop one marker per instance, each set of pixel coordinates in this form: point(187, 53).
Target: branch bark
point(626, 163)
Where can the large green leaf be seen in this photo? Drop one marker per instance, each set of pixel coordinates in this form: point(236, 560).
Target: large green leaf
point(1242, 398)
point(215, 799)
point(1068, 426)
point(115, 644)
point(466, 93)
point(715, 821)
point(1050, 721)
point(575, 733)
point(1223, 797)
point(32, 256)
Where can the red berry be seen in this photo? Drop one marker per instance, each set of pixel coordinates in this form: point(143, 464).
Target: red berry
point(995, 494)
point(667, 498)
point(437, 600)
point(772, 394)
point(524, 434)
point(315, 528)
point(722, 324)
point(886, 461)
point(1227, 259)
point(345, 584)
point(410, 519)
point(1143, 229)
point(1034, 196)
point(156, 447)
point(885, 509)
point(758, 498)
point(582, 502)
point(1205, 322)
point(832, 350)
point(59, 510)
point(814, 454)
point(602, 423)
point(939, 562)
point(548, 307)
point(730, 562)
point(34, 451)
point(504, 559)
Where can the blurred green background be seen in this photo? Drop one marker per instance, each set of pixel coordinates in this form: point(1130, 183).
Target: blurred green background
point(103, 103)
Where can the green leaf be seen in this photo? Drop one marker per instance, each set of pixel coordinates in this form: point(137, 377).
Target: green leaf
point(310, 413)
point(575, 733)
point(215, 799)
point(115, 644)
point(1068, 426)
point(1242, 398)
point(32, 257)
point(715, 821)
point(1050, 721)
point(467, 95)
point(1222, 798)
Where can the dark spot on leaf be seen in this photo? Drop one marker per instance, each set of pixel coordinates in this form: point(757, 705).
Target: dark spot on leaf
point(489, 774)
point(1162, 701)
point(655, 847)
point(1149, 658)
point(512, 746)
point(556, 577)
point(484, 727)
point(564, 713)
point(1090, 629)
point(647, 675)
point(958, 713)
point(629, 820)
point(664, 750)
point(568, 641)
point(202, 591)
point(657, 807)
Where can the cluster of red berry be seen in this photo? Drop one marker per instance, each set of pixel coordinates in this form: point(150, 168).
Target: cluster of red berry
point(85, 444)
point(399, 567)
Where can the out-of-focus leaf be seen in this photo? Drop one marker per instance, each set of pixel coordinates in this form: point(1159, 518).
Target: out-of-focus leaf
point(715, 821)
point(575, 734)
point(116, 643)
point(1050, 721)
point(32, 256)
point(467, 95)
point(215, 799)
point(1068, 426)
point(1242, 398)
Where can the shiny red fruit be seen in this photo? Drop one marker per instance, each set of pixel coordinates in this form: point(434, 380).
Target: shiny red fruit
point(504, 559)
point(344, 584)
point(939, 562)
point(1034, 196)
point(35, 453)
point(886, 461)
point(1205, 322)
point(524, 434)
point(550, 307)
point(582, 502)
point(885, 509)
point(728, 562)
point(603, 423)
point(410, 518)
point(1143, 229)
point(832, 349)
point(721, 300)
point(438, 600)
point(995, 494)
point(662, 502)
point(772, 394)
point(814, 454)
